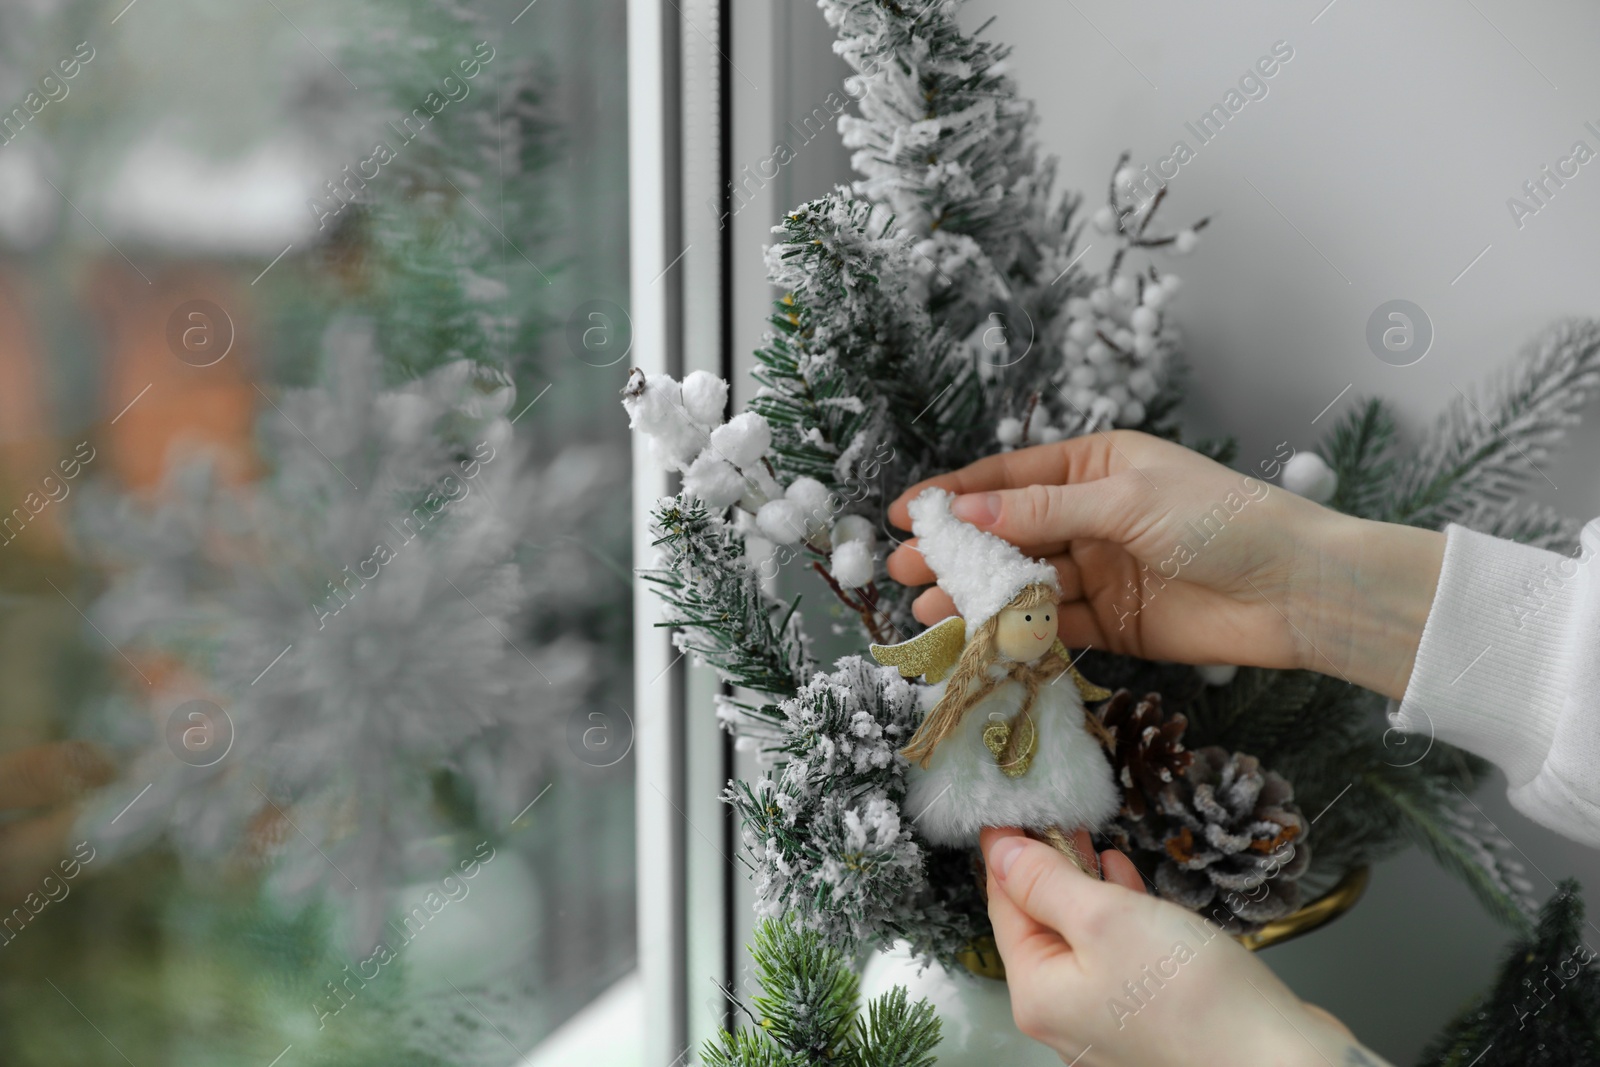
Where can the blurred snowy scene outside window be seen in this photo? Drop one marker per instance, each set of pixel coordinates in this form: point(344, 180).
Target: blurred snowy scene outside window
point(315, 557)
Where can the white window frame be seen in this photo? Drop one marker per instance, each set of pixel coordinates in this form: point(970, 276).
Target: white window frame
point(711, 84)
point(677, 131)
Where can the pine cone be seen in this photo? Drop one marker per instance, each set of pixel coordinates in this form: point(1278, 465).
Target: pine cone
point(1149, 754)
point(1225, 839)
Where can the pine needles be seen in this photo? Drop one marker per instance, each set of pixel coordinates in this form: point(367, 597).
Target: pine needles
point(1488, 448)
point(808, 1013)
point(716, 601)
point(1544, 1007)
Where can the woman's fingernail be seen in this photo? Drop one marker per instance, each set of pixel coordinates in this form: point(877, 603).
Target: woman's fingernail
point(980, 509)
point(1004, 854)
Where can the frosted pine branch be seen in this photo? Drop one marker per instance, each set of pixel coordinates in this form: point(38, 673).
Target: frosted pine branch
point(1492, 444)
point(856, 376)
point(715, 599)
point(945, 144)
point(832, 848)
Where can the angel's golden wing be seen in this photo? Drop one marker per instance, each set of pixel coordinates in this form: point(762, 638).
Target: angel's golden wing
point(932, 653)
point(1090, 692)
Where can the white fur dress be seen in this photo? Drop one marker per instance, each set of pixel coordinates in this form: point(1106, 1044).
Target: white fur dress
point(963, 789)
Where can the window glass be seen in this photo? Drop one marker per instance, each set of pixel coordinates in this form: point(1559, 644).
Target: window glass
point(315, 580)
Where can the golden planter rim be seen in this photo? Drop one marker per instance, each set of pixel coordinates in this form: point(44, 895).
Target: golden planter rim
point(982, 957)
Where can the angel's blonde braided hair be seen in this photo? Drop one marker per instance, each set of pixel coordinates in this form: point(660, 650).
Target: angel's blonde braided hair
point(970, 682)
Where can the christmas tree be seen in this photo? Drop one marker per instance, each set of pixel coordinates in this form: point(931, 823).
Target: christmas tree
point(1544, 1006)
point(896, 351)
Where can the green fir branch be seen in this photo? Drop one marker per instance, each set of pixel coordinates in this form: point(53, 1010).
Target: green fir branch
point(715, 599)
point(1253, 712)
point(855, 375)
point(897, 1034)
point(1543, 1009)
point(1361, 451)
point(808, 1013)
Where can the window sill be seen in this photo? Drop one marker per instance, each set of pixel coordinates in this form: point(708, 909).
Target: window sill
point(604, 1034)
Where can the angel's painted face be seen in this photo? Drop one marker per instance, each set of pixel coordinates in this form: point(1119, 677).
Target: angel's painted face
point(1025, 634)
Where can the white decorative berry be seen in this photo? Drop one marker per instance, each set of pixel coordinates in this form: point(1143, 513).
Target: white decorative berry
point(782, 521)
point(1049, 435)
point(1154, 297)
point(1216, 673)
point(851, 565)
point(1101, 300)
point(1124, 287)
point(1144, 320)
point(704, 397)
point(814, 501)
point(1081, 377)
point(1009, 432)
point(1142, 384)
point(1098, 352)
point(655, 408)
point(1171, 283)
point(1081, 331)
point(1186, 242)
point(1308, 475)
point(743, 439)
point(1105, 219)
point(1132, 413)
point(1144, 345)
point(712, 479)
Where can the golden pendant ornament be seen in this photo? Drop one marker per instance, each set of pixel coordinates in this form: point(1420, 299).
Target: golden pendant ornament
point(1012, 745)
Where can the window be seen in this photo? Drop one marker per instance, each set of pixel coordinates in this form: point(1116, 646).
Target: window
point(314, 537)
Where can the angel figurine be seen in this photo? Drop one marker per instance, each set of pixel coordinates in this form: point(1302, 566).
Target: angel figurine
point(1003, 744)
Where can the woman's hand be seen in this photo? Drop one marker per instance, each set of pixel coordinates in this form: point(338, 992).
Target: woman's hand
point(1108, 976)
point(1165, 554)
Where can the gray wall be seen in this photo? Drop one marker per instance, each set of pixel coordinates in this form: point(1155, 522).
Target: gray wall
point(1377, 167)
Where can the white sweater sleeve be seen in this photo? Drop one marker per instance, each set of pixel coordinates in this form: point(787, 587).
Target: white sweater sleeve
point(1509, 668)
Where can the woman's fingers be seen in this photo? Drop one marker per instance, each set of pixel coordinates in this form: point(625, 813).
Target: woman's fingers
point(1119, 870)
point(1077, 459)
point(933, 605)
point(1079, 626)
point(1024, 942)
point(907, 566)
point(1113, 509)
point(1046, 886)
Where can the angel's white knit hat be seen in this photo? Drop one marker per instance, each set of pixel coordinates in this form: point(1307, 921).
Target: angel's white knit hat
point(980, 571)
